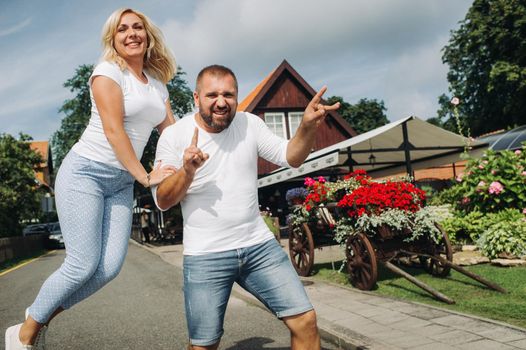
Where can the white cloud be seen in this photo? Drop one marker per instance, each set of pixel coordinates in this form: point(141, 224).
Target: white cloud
point(22, 106)
point(415, 80)
point(16, 28)
point(360, 48)
point(379, 49)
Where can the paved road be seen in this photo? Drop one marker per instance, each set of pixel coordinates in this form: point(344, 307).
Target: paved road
point(141, 309)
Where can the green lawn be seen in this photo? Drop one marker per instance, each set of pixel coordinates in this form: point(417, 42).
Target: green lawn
point(471, 297)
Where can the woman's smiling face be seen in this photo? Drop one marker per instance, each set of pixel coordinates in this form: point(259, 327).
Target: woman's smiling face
point(131, 39)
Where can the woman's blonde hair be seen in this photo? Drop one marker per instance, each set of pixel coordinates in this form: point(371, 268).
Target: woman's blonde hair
point(158, 60)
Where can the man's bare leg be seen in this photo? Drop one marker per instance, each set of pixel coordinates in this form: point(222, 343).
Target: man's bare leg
point(304, 333)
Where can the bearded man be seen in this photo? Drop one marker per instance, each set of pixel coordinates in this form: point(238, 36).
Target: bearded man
point(225, 239)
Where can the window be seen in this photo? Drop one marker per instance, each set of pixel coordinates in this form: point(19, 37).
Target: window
point(276, 123)
point(294, 122)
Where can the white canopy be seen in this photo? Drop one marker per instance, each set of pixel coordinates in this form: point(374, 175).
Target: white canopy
point(401, 146)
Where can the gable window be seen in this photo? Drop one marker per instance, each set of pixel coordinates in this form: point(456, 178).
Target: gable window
point(276, 123)
point(294, 122)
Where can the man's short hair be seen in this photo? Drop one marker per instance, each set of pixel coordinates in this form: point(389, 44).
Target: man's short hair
point(215, 70)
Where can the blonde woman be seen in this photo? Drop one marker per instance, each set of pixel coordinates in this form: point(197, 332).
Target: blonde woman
point(94, 186)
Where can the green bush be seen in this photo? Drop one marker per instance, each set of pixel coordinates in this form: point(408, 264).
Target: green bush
point(465, 228)
point(494, 182)
point(445, 196)
point(506, 234)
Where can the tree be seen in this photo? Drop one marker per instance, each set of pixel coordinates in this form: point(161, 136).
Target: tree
point(487, 65)
point(19, 194)
point(363, 116)
point(77, 111)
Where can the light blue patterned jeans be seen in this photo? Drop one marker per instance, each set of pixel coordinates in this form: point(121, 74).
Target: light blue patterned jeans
point(94, 204)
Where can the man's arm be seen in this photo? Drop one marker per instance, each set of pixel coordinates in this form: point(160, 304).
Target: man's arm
point(173, 189)
point(301, 144)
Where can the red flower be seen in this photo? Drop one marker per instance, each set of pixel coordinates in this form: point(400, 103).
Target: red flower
point(374, 198)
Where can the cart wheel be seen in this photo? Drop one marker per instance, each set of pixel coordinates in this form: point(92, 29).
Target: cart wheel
point(301, 249)
point(361, 262)
point(442, 249)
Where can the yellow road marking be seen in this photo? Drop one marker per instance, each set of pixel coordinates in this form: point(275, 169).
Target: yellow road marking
point(25, 263)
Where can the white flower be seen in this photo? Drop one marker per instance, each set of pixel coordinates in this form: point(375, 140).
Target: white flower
point(455, 101)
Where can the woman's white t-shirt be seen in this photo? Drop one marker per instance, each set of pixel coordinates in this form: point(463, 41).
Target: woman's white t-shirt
point(144, 109)
point(220, 209)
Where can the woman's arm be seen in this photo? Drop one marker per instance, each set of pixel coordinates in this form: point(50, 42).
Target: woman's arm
point(109, 100)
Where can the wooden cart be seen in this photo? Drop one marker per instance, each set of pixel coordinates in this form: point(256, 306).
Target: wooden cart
point(364, 252)
point(306, 237)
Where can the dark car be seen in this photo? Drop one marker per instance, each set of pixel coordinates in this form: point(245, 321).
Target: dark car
point(35, 229)
point(55, 238)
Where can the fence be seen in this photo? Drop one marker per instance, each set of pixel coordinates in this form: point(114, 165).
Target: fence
point(19, 247)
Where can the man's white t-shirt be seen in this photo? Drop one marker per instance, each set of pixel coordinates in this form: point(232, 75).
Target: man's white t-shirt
point(144, 109)
point(221, 210)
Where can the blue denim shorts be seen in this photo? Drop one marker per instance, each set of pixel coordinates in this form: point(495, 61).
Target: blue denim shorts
point(264, 270)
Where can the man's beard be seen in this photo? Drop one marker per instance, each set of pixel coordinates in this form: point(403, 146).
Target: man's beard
point(208, 118)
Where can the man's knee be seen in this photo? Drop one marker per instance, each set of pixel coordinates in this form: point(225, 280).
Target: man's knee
point(305, 322)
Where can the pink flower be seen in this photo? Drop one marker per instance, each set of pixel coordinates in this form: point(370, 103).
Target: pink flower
point(495, 187)
point(523, 173)
point(459, 178)
point(465, 200)
point(309, 181)
point(524, 211)
point(481, 184)
point(455, 101)
point(518, 152)
point(481, 166)
point(493, 172)
point(321, 179)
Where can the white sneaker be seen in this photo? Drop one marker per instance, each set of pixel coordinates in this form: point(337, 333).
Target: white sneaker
point(12, 339)
point(40, 341)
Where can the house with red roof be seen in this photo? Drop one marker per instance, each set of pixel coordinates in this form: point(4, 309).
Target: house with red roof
point(280, 100)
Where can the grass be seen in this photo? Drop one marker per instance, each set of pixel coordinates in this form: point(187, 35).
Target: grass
point(8, 264)
point(470, 296)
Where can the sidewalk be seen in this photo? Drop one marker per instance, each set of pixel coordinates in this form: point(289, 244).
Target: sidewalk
point(361, 320)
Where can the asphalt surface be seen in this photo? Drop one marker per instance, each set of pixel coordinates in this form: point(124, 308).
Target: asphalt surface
point(141, 309)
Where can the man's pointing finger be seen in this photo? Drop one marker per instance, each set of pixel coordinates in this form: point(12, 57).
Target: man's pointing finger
point(195, 137)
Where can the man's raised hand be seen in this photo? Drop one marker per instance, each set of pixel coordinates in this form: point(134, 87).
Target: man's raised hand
point(315, 112)
point(193, 157)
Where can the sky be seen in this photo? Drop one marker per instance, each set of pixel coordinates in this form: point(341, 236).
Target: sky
point(388, 50)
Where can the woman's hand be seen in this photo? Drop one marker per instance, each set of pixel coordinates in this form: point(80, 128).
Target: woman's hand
point(158, 174)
